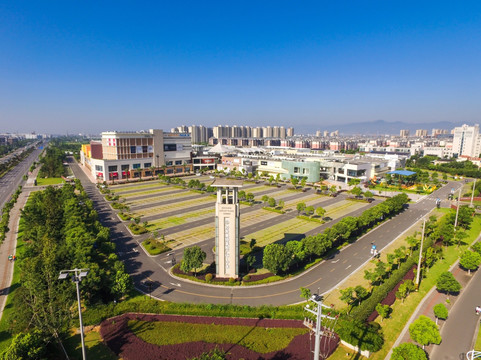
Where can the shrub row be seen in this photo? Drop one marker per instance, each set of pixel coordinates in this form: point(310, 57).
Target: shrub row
point(307, 218)
point(95, 314)
point(155, 247)
point(137, 229)
point(274, 210)
point(362, 312)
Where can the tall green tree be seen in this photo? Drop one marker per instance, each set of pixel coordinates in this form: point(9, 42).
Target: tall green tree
point(193, 259)
point(347, 296)
point(294, 181)
point(276, 258)
point(470, 260)
point(305, 293)
point(408, 351)
point(447, 283)
point(424, 331)
point(309, 210)
point(383, 311)
point(250, 261)
point(405, 289)
point(320, 212)
point(271, 202)
point(300, 207)
point(440, 312)
point(28, 345)
point(356, 191)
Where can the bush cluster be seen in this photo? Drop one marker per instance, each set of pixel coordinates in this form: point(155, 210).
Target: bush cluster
point(137, 229)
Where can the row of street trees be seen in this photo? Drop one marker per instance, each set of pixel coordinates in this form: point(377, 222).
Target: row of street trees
point(279, 258)
point(52, 163)
point(310, 210)
point(61, 231)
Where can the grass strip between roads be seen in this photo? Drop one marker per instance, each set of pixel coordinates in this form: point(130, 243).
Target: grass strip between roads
point(94, 347)
point(49, 181)
point(477, 346)
point(259, 339)
point(401, 312)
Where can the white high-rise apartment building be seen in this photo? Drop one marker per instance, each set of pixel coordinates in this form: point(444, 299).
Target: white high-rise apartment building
point(267, 132)
point(257, 132)
point(466, 141)
point(199, 134)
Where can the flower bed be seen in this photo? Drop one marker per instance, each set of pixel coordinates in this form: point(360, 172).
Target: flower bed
point(123, 342)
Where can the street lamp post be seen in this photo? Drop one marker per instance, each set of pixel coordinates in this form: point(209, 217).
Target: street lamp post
point(457, 210)
point(77, 275)
point(418, 272)
point(472, 192)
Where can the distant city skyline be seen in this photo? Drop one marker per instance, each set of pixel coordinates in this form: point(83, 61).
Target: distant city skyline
point(87, 67)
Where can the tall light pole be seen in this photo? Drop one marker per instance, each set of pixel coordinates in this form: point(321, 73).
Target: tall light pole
point(418, 273)
point(472, 192)
point(77, 276)
point(457, 210)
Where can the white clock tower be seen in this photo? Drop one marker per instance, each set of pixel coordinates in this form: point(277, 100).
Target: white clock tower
point(227, 224)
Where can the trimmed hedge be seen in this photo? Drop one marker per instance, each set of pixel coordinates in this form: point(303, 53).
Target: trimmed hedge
point(363, 311)
point(94, 315)
point(307, 218)
point(137, 229)
point(274, 210)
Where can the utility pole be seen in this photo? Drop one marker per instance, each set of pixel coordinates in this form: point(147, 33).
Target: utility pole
point(317, 299)
point(418, 272)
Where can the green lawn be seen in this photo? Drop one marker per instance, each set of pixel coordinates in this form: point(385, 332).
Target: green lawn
point(177, 220)
point(477, 346)
point(94, 347)
point(49, 181)
point(258, 339)
point(155, 247)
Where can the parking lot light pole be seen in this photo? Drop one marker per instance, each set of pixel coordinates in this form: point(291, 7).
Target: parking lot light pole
point(77, 276)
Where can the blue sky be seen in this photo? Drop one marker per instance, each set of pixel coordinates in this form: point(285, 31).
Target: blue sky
point(85, 66)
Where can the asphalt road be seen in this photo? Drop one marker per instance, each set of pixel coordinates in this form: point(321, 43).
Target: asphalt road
point(322, 277)
point(457, 332)
point(10, 182)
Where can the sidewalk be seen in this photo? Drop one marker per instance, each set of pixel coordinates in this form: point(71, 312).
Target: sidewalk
point(8, 248)
point(433, 298)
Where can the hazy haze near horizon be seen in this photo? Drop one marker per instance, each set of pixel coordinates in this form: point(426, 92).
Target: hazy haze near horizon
point(89, 67)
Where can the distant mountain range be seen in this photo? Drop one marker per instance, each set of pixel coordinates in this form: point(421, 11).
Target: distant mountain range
point(378, 127)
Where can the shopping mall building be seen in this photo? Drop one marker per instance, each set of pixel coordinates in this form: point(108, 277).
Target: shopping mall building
point(129, 155)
